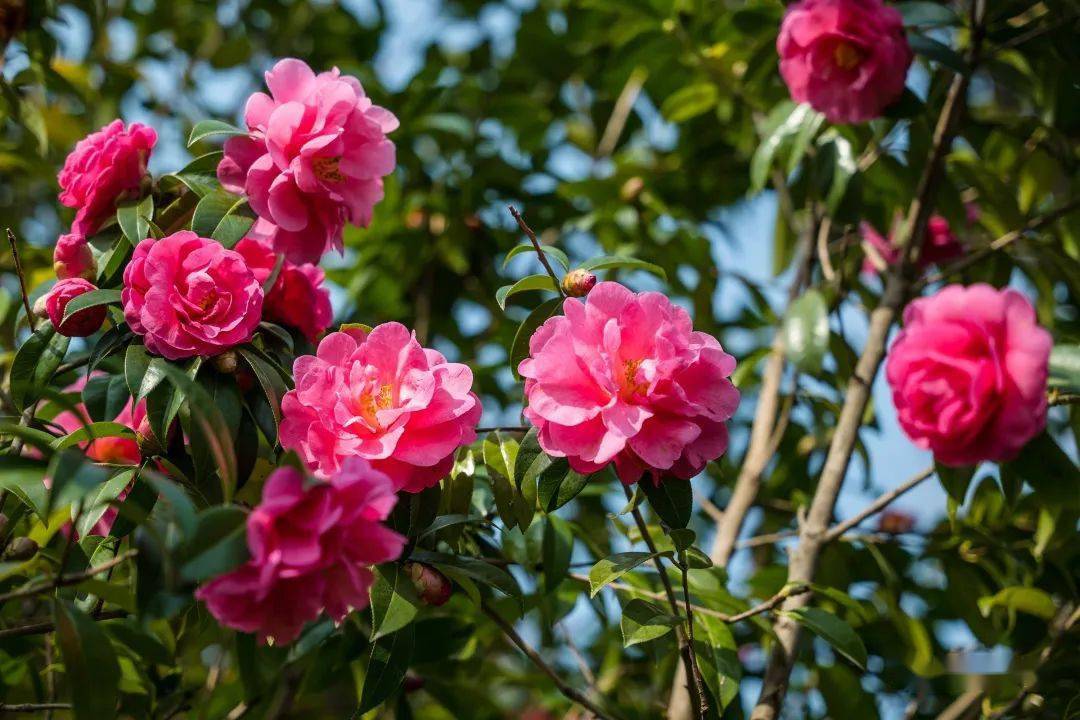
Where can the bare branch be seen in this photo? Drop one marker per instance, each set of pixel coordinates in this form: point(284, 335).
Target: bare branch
point(14, 245)
point(878, 505)
point(65, 580)
point(47, 626)
point(539, 248)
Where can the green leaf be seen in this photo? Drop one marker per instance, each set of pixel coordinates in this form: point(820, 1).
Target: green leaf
point(499, 456)
point(718, 659)
point(270, 380)
point(90, 664)
point(837, 149)
point(611, 262)
point(213, 128)
point(99, 502)
point(1065, 367)
point(105, 396)
point(558, 485)
point(34, 364)
point(25, 479)
point(394, 603)
point(806, 331)
point(220, 216)
point(1049, 471)
point(386, 668)
point(937, 52)
point(200, 175)
point(217, 545)
point(111, 341)
point(474, 568)
point(613, 567)
point(682, 538)
point(1032, 601)
point(926, 14)
point(832, 630)
point(690, 101)
point(556, 550)
point(549, 250)
point(531, 282)
point(93, 431)
point(671, 498)
point(134, 219)
point(73, 478)
point(94, 298)
point(519, 350)
point(955, 480)
point(783, 123)
point(642, 621)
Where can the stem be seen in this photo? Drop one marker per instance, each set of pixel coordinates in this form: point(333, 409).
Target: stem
point(47, 626)
point(539, 249)
point(30, 320)
point(812, 533)
point(34, 707)
point(65, 580)
point(685, 648)
point(568, 691)
point(503, 428)
point(878, 505)
point(703, 708)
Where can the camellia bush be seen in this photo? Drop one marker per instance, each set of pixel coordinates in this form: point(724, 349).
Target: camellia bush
point(221, 500)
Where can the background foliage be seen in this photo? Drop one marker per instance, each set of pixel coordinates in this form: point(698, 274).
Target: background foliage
point(619, 127)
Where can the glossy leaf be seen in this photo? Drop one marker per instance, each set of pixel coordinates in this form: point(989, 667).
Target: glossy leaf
point(832, 630)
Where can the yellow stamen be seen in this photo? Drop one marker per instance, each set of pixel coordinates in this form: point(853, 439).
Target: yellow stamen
point(847, 56)
point(327, 168)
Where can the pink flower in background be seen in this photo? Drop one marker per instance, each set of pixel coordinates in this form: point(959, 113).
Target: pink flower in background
point(188, 296)
point(314, 159)
point(623, 378)
point(72, 258)
point(940, 245)
point(311, 548)
point(104, 167)
point(383, 397)
point(83, 323)
point(847, 58)
point(968, 374)
point(298, 297)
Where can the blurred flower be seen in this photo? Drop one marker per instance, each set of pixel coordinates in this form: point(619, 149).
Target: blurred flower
point(72, 258)
point(624, 378)
point(314, 159)
point(104, 167)
point(311, 548)
point(83, 323)
point(940, 245)
point(383, 397)
point(189, 296)
point(298, 297)
point(968, 374)
point(847, 58)
point(896, 522)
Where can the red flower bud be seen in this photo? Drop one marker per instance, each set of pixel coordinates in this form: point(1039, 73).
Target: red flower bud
point(895, 522)
point(431, 585)
point(578, 283)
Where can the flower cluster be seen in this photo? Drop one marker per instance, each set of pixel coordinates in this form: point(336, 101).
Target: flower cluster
point(314, 159)
point(623, 378)
point(847, 58)
point(383, 397)
point(312, 546)
point(298, 298)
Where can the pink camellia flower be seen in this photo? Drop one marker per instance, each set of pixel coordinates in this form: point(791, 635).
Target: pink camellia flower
point(72, 258)
point(314, 159)
point(380, 396)
point(624, 378)
point(311, 548)
point(188, 296)
point(83, 323)
point(968, 374)
point(298, 297)
point(847, 58)
point(940, 245)
point(104, 167)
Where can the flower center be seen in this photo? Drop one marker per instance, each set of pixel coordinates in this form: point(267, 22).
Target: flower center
point(629, 383)
point(371, 403)
point(327, 168)
point(847, 56)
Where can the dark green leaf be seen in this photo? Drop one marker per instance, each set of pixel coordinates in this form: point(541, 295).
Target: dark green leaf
point(474, 568)
point(34, 364)
point(671, 498)
point(394, 603)
point(611, 262)
point(556, 550)
point(213, 128)
point(90, 664)
point(955, 480)
point(690, 101)
point(531, 282)
point(386, 667)
point(642, 621)
point(613, 567)
point(937, 52)
point(549, 250)
point(94, 298)
point(519, 350)
point(832, 630)
point(134, 218)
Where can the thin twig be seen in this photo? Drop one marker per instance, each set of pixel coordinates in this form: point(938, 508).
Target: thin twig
point(1058, 397)
point(40, 628)
point(34, 707)
point(621, 112)
point(685, 648)
point(703, 710)
point(568, 691)
point(878, 505)
point(503, 428)
point(13, 243)
point(65, 580)
point(539, 249)
point(769, 604)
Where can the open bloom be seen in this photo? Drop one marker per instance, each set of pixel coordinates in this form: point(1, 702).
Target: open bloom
point(380, 396)
point(968, 374)
point(314, 159)
point(188, 296)
point(940, 245)
point(83, 323)
point(624, 378)
point(847, 58)
point(72, 258)
point(104, 167)
point(298, 297)
point(312, 548)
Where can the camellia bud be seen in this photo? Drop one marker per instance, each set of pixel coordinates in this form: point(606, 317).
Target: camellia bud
point(430, 584)
point(896, 522)
point(72, 258)
point(148, 442)
point(226, 362)
point(21, 548)
point(578, 283)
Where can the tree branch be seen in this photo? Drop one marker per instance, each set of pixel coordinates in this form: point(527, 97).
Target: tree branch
point(539, 248)
point(878, 505)
point(14, 245)
point(47, 627)
point(34, 707)
point(65, 580)
point(570, 692)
